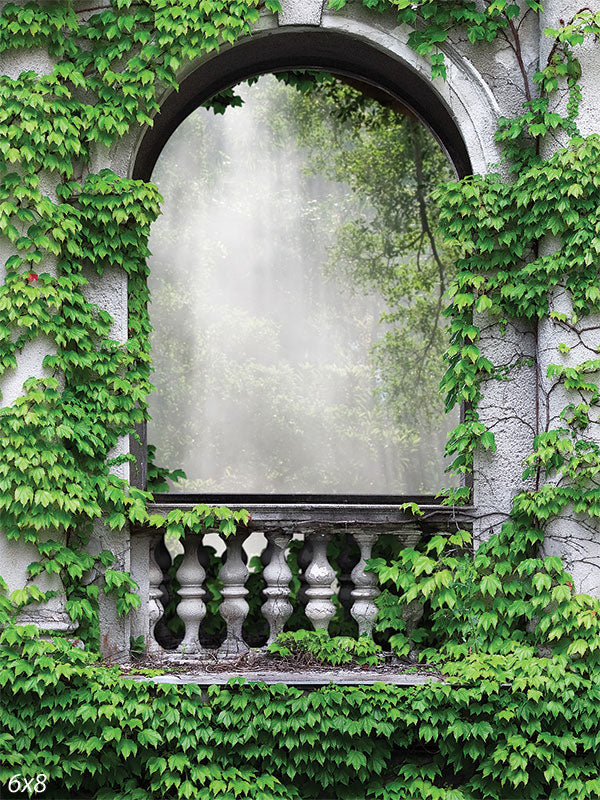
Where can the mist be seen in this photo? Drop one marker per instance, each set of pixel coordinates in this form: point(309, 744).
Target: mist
point(265, 380)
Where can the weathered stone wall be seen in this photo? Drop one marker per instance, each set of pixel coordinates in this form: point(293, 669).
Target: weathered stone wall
point(574, 537)
point(484, 82)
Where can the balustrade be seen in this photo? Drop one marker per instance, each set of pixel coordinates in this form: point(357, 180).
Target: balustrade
point(365, 589)
point(156, 593)
point(327, 586)
point(191, 608)
point(234, 606)
point(319, 577)
point(277, 609)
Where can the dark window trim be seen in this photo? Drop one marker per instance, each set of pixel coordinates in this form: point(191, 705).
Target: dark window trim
point(284, 50)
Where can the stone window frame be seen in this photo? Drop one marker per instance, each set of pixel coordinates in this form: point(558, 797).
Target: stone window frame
point(366, 67)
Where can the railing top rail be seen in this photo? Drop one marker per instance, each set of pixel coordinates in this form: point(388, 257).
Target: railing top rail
point(328, 515)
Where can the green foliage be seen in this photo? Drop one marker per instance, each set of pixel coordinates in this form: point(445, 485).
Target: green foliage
point(501, 226)
point(308, 647)
point(56, 474)
point(497, 725)
point(517, 711)
point(504, 598)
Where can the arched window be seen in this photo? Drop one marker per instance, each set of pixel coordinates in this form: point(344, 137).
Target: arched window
point(296, 295)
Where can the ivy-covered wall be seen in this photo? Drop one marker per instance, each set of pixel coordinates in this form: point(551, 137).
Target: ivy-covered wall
point(518, 647)
point(483, 82)
point(572, 535)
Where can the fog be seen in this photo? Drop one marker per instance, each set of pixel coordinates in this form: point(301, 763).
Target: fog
point(264, 376)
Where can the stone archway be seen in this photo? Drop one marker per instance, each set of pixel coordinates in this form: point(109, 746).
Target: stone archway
point(356, 55)
point(461, 112)
point(312, 49)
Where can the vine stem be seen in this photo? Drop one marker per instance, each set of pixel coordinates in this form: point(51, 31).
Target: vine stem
point(538, 384)
point(570, 22)
point(519, 56)
point(515, 46)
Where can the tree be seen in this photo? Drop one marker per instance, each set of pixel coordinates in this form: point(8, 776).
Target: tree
point(390, 247)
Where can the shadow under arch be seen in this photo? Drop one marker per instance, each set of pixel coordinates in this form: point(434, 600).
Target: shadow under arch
point(281, 50)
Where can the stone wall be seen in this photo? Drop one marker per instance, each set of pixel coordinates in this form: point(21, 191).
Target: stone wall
point(484, 82)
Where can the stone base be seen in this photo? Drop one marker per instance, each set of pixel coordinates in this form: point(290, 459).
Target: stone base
point(48, 619)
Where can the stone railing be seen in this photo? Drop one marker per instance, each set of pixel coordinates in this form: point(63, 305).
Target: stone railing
point(273, 529)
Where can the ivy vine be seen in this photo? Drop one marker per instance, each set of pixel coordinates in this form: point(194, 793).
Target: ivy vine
point(518, 648)
point(58, 474)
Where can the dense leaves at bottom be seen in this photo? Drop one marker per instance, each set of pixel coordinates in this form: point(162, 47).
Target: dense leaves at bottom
point(497, 727)
point(308, 647)
point(517, 714)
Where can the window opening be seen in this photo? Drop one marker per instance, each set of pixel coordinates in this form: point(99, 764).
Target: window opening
point(296, 298)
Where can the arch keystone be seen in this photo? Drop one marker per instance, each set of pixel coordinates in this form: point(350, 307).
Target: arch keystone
point(301, 12)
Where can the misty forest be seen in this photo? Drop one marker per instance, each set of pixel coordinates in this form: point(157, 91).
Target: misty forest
point(297, 287)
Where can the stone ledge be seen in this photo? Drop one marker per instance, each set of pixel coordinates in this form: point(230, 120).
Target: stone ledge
point(206, 669)
point(307, 678)
point(308, 514)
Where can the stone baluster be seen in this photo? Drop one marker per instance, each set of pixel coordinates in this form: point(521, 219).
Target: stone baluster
point(164, 561)
point(155, 579)
point(304, 558)
point(319, 576)
point(277, 609)
point(365, 589)
point(191, 609)
point(234, 607)
point(409, 536)
point(347, 560)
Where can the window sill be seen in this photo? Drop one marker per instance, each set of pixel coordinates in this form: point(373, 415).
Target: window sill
point(322, 512)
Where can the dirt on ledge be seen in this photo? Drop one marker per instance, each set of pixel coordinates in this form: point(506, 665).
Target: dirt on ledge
point(207, 669)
